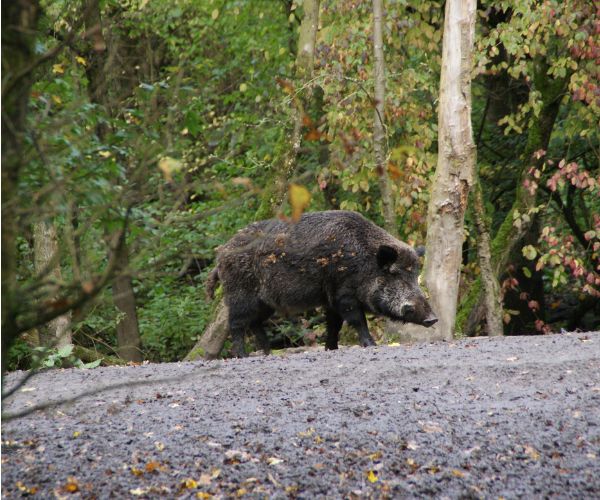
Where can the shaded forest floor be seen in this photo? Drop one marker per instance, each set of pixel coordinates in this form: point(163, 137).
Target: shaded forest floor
point(511, 417)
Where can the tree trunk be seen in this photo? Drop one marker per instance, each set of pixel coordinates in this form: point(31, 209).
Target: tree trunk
point(510, 235)
point(491, 288)
point(19, 28)
point(379, 132)
point(274, 196)
point(57, 332)
point(211, 342)
point(128, 334)
point(454, 172)
point(100, 70)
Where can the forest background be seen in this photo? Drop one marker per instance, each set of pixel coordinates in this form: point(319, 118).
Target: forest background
point(138, 135)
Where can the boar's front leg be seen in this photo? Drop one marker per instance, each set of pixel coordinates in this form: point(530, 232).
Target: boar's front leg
point(351, 311)
point(262, 340)
point(334, 323)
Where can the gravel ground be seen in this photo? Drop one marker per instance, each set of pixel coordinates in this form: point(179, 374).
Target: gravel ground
point(514, 417)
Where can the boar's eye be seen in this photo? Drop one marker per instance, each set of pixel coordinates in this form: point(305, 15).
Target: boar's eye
point(386, 256)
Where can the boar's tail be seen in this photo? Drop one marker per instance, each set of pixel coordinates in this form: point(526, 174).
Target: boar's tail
point(211, 282)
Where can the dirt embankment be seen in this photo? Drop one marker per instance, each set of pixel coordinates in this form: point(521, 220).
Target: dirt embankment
point(511, 417)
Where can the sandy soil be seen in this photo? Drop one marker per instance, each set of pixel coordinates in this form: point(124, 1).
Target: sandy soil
point(515, 417)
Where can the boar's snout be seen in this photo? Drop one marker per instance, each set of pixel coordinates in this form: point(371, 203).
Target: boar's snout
point(414, 313)
point(430, 321)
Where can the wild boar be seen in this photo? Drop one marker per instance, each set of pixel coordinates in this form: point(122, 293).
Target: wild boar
point(335, 259)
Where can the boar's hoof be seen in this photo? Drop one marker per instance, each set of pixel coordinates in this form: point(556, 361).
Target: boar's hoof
point(239, 353)
point(366, 342)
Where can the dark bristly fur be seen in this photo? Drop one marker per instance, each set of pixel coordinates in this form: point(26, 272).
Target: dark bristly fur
point(335, 259)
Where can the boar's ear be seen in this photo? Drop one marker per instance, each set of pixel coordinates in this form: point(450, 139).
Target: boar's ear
point(386, 256)
point(420, 250)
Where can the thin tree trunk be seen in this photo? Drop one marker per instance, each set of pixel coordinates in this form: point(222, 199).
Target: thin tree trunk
point(379, 132)
point(510, 235)
point(491, 288)
point(57, 332)
point(128, 334)
point(19, 28)
point(99, 71)
point(456, 159)
point(274, 196)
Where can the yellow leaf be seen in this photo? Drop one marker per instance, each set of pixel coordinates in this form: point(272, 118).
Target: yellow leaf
point(203, 494)
point(72, 485)
point(58, 69)
point(243, 87)
point(532, 452)
point(136, 472)
point(372, 477)
point(189, 483)
point(215, 14)
point(76, 434)
point(57, 99)
point(105, 154)
point(458, 473)
point(299, 200)
point(81, 60)
point(241, 492)
point(168, 166)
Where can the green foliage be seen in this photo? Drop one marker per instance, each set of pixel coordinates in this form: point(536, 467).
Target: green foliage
point(197, 117)
point(61, 357)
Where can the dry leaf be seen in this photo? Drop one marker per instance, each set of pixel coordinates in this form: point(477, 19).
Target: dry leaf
point(430, 427)
point(299, 200)
point(72, 485)
point(189, 483)
point(532, 452)
point(372, 477)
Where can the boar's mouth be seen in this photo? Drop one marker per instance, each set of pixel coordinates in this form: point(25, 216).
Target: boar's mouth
point(381, 307)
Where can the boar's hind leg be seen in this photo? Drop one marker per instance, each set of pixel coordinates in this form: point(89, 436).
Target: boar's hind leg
point(334, 323)
point(247, 315)
point(353, 313)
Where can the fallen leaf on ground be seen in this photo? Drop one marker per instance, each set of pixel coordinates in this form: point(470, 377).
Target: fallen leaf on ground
point(430, 427)
point(532, 452)
point(189, 483)
point(139, 491)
